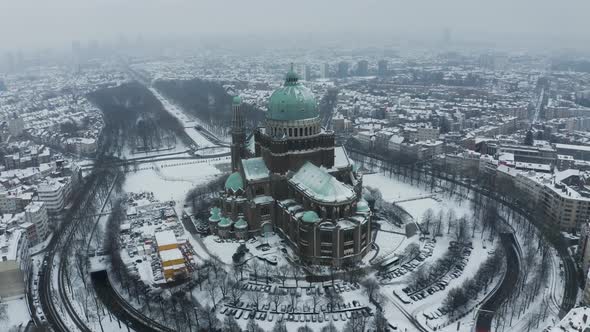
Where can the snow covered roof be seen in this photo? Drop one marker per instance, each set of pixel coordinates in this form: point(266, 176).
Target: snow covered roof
point(340, 158)
point(171, 255)
point(224, 222)
point(255, 169)
point(241, 223)
point(362, 206)
point(165, 238)
point(234, 182)
point(310, 217)
point(320, 185)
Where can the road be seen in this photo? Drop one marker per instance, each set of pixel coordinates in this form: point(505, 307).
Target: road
point(487, 311)
point(125, 312)
point(64, 235)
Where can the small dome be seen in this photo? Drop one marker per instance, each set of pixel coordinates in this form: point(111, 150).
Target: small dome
point(224, 222)
point(237, 100)
point(241, 224)
point(310, 217)
point(362, 206)
point(292, 101)
point(215, 217)
point(234, 182)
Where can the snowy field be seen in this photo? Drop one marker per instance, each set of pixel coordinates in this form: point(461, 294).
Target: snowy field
point(172, 180)
point(17, 314)
point(415, 200)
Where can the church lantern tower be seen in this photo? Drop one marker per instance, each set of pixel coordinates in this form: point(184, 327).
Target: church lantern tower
point(238, 135)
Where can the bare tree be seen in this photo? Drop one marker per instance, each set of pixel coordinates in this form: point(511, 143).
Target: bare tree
point(356, 324)
point(295, 274)
point(254, 297)
point(279, 326)
point(254, 268)
point(315, 299)
point(253, 326)
point(370, 287)
point(451, 216)
point(330, 327)
point(380, 322)
point(211, 290)
point(427, 219)
point(235, 291)
point(230, 325)
point(276, 299)
point(283, 273)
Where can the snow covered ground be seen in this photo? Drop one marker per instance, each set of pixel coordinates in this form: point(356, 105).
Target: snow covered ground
point(172, 180)
point(17, 314)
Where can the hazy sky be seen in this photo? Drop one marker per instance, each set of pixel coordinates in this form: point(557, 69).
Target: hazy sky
point(32, 23)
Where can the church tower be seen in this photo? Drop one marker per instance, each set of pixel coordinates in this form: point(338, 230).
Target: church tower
point(238, 135)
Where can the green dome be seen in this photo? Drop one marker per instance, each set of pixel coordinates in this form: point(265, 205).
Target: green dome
point(310, 217)
point(362, 206)
point(234, 182)
point(237, 100)
point(215, 215)
point(292, 101)
point(224, 222)
point(241, 223)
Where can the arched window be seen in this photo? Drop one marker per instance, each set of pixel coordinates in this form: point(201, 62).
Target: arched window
point(305, 131)
point(300, 131)
point(290, 132)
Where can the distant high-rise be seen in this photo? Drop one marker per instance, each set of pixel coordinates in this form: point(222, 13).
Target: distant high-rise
point(382, 67)
point(324, 70)
point(343, 69)
point(446, 36)
point(362, 68)
point(303, 71)
point(9, 62)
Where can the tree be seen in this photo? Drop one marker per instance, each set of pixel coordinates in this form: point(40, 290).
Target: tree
point(427, 219)
point(370, 287)
point(212, 292)
point(254, 268)
point(253, 326)
point(230, 324)
point(379, 321)
point(451, 216)
point(330, 327)
point(357, 323)
point(235, 291)
point(333, 298)
point(208, 318)
point(315, 298)
point(282, 273)
point(529, 138)
point(295, 274)
point(304, 328)
point(255, 297)
point(279, 326)
point(276, 299)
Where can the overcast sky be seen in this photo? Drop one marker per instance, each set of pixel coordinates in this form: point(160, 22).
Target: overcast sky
point(51, 23)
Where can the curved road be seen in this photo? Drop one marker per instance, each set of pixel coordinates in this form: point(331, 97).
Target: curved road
point(487, 310)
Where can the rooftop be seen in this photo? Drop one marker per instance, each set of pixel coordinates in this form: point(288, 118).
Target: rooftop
point(320, 185)
point(165, 238)
point(255, 169)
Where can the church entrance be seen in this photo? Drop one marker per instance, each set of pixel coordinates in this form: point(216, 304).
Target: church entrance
point(267, 229)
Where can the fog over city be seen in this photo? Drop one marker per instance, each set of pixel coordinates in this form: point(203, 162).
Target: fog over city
point(539, 23)
point(294, 166)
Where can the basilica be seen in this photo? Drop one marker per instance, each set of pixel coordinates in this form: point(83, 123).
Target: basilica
point(294, 182)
